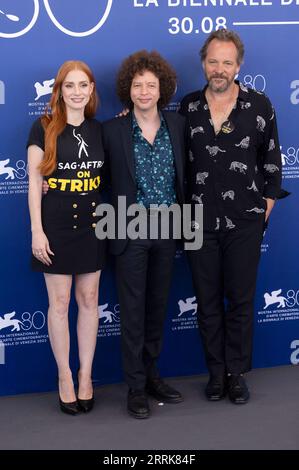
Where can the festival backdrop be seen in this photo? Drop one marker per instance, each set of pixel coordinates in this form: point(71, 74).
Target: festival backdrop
point(36, 37)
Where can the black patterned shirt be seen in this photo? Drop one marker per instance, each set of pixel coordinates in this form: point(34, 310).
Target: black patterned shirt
point(230, 173)
point(154, 167)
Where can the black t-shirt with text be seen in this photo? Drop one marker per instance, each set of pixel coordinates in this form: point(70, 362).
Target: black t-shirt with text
point(80, 156)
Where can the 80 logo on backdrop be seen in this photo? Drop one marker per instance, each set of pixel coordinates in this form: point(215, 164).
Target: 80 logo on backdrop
point(10, 322)
point(17, 19)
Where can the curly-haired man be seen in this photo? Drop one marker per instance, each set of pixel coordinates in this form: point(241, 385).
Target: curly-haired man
point(145, 153)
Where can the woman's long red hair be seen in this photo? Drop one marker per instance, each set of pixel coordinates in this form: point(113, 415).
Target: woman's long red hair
point(55, 122)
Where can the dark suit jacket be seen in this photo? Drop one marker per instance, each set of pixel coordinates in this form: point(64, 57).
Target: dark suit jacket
point(120, 161)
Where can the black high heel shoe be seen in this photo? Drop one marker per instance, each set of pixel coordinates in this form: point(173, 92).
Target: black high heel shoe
point(85, 405)
point(70, 408)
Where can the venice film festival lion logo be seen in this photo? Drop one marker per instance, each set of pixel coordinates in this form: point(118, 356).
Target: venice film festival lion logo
point(43, 89)
point(107, 316)
point(188, 306)
point(21, 17)
point(7, 321)
point(275, 298)
point(186, 318)
point(29, 321)
point(9, 171)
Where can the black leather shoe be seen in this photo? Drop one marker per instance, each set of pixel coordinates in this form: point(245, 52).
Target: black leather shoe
point(162, 392)
point(138, 404)
point(70, 408)
point(237, 389)
point(216, 388)
point(86, 405)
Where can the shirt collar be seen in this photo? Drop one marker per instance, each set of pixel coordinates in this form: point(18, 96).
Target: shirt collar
point(136, 128)
point(243, 91)
point(242, 95)
point(135, 125)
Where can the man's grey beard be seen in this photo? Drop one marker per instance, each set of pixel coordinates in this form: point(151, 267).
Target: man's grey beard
point(220, 88)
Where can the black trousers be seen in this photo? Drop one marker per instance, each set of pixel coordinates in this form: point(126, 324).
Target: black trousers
point(143, 274)
point(224, 273)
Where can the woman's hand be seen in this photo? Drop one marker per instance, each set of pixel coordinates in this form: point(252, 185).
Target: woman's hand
point(123, 113)
point(45, 187)
point(41, 248)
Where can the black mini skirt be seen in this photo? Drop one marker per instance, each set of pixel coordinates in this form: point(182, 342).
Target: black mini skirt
point(69, 222)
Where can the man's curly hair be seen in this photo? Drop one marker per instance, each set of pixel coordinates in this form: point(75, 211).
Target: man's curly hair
point(138, 63)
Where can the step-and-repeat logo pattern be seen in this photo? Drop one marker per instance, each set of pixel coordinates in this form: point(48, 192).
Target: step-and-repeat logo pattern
point(186, 315)
point(280, 306)
point(48, 32)
point(109, 320)
point(18, 329)
point(41, 93)
point(290, 162)
point(13, 176)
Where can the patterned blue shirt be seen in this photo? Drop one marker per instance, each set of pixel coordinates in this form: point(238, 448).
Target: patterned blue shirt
point(154, 166)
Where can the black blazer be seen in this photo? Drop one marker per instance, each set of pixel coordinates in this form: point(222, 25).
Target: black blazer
point(120, 162)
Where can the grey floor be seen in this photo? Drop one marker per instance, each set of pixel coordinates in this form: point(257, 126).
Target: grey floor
point(269, 421)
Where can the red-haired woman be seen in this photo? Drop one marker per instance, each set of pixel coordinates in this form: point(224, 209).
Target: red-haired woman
point(65, 149)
